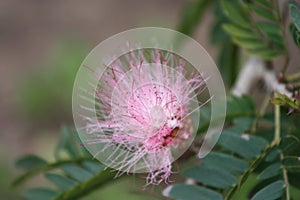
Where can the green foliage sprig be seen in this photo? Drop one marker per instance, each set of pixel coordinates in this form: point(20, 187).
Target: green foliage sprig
point(74, 173)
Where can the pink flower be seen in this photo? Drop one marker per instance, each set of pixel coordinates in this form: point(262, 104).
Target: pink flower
point(145, 102)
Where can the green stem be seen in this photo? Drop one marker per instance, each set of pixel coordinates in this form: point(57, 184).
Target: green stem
point(276, 139)
point(255, 163)
point(246, 174)
point(285, 177)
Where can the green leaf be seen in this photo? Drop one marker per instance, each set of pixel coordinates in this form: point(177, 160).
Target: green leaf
point(269, 28)
point(210, 177)
point(277, 101)
point(61, 181)
point(192, 192)
point(247, 43)
point(244, 123)
point(94, 167)
point(76, 172)
point(273, 33)
point(272, 155)
point(290, 145)
point(39, 194)
point(294, 179)
point(29, 162)
point(270, 171)
point(245, 145)
point(292, 164)
point(271, 192)
point(244, 103)
point(281, 99)
point(295, 33)
point(265, 13)
point(67, 144)
point(229, 163)
point(294, 8)
point(238, 31)
point(263, 52)
point(266, 42)
point(235, 12)
point(236, 107)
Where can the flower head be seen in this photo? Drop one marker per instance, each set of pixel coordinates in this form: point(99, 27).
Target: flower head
point(144, 113)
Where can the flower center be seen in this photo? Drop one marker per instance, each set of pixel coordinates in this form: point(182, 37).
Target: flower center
point(158, 116)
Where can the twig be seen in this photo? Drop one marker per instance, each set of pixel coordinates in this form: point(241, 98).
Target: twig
point(276, 139)
point(285, 178)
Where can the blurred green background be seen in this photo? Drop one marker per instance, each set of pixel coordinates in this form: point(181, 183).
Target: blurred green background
point(42, 44)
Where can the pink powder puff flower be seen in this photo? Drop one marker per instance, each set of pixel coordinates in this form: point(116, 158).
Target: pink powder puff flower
point(145, 102)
